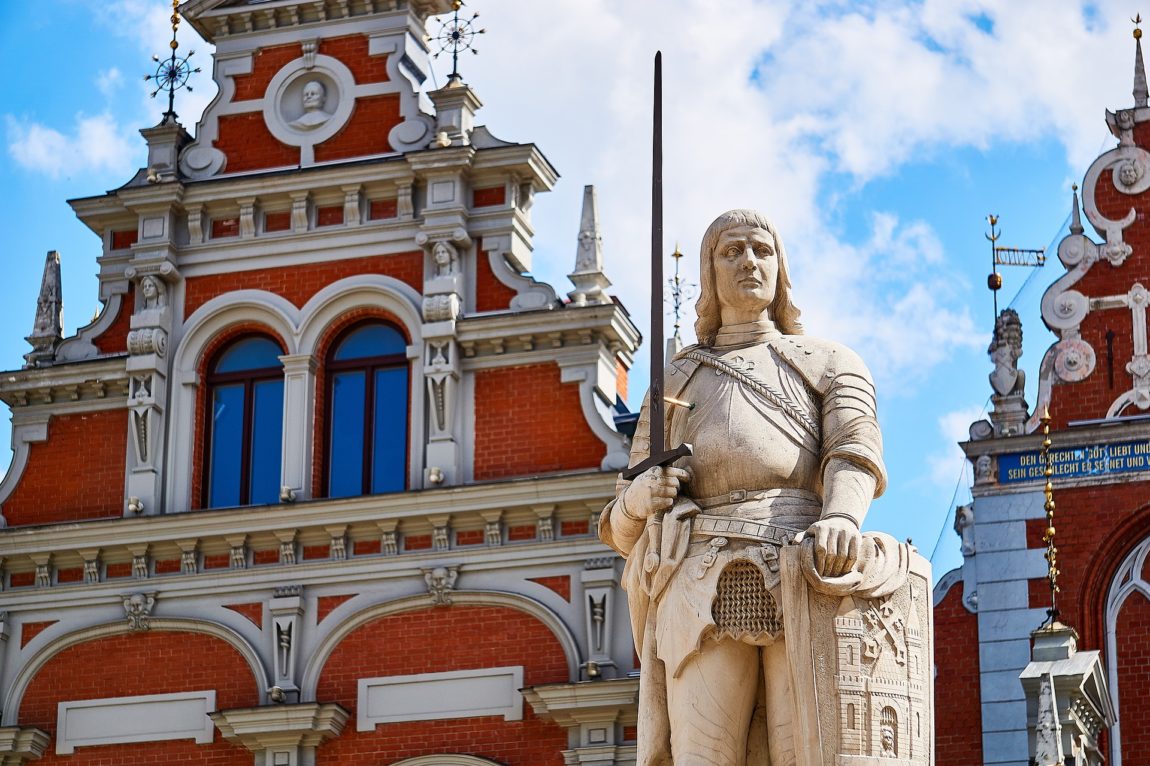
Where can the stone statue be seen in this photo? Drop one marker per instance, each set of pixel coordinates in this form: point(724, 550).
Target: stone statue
point(314, 97)
point(444, 257)
point(1005, 349)
point(154, 292)
point(787, 450)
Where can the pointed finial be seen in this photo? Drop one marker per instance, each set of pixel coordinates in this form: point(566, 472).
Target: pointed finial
point(588, 277)
point(1075, 216)
point(48, 329)
point(1141, 93)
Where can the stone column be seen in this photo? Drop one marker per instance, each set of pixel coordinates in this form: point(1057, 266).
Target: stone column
point(299, 414)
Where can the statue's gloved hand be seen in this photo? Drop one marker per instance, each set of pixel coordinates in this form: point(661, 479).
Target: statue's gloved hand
point(837, 542)
point(653, 491)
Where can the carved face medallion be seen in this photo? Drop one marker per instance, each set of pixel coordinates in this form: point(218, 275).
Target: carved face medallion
point(746, 268)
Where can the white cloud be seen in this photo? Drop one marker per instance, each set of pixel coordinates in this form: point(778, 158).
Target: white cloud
point(109, 81)
point(95, 143)
point(949, 461)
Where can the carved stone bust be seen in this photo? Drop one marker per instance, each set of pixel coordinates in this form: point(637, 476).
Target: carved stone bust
point(314, 98)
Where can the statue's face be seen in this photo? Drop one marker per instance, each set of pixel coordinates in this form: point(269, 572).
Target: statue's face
point(313, 96)
point(149, 288)
point(1129, 174)
point(746, 268)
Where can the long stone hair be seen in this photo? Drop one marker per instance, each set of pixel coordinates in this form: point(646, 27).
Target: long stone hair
point(783, 311)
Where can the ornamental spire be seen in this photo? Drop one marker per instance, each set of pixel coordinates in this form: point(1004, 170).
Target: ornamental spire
point(588, 277)
point(48, 329)
point(1075, 216)
point(1141, 94)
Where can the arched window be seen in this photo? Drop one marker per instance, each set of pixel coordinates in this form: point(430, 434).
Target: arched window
point(367, 412)
point(245, 428)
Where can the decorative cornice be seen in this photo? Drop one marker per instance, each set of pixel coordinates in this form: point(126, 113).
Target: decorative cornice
point(103, 379)
point(300, 725)
point(18, 745)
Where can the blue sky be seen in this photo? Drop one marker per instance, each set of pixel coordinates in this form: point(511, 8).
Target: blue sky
point(876, 134)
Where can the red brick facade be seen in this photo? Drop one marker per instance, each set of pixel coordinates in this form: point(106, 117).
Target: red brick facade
point(958, 740)
point(439, 640)
point(77, 474)
point(149, 662)
point(527, 422)
point(299, 283)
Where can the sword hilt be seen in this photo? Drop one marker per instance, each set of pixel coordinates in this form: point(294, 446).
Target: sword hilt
point(662, 459)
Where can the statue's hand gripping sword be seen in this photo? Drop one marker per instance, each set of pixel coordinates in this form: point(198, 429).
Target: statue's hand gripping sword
point(659, 454)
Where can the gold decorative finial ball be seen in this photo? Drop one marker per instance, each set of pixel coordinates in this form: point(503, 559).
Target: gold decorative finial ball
point(994, 281)
point(1137, 33)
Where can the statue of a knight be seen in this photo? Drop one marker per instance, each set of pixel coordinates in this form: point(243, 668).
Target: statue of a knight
point(786, 445)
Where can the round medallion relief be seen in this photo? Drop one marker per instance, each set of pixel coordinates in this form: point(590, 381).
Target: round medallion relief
point(308, 105)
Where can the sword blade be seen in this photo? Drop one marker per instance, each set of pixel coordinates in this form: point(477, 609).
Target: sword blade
point(656, 406)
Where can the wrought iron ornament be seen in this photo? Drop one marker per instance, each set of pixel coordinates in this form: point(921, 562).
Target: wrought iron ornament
point(1008, 256)
point(455, 35)
point(172, 72)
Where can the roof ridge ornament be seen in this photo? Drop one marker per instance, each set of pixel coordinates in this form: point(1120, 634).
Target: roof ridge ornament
point(173, 72)
point(1141, 93)
point(1075, 215)
point(588, 276)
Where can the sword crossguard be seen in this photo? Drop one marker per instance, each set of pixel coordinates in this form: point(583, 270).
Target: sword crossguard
point(662, 459)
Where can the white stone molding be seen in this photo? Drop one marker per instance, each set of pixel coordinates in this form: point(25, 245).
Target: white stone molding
point(445, 759)
point(434, 696)
point(80, 345)
point(1115, 250)
point(529, 294)
point(592, 379)
point(593, 714)
point(283, 102)
point(299, 415)
point(27, 429)
point(46, 651)
point(143, 718)
point(200, 159)
point(17, 745)
point(599, 580)
point(1127, 582)
point(283, 735)
point(336, 634)
point(945, 583)
point(286, 611)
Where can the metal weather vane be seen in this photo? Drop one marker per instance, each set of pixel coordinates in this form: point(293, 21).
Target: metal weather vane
point(679, 290)
point(174, 71)
point(1008, 256)
point(455, 35)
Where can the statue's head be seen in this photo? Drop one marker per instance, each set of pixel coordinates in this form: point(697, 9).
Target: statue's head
point(784, 313)
point(313, 95)
point(887, 737)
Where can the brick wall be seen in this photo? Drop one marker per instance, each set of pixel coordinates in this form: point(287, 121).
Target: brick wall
point(114, 340)
point(366, 130)
point(151, 662)
point(76, 474)
point(299, 283)
point(439, 640)
point(490, 293)
point(958, 724)
point(528, 422)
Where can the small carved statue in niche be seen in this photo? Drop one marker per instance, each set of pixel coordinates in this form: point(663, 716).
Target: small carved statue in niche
point(314, 99)
point(444, 256)
point(887, 739)
point(1005, 349)
point(984, 469)
point(154, 292)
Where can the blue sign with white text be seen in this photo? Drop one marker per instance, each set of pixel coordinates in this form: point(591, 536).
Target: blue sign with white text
point(1076, 462)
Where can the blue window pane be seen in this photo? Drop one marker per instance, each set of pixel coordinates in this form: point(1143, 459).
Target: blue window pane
point(345, 462)
point(267, 441)
point(389, 437)
point(227, 446)
point(371, 340)
point(254, 353)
